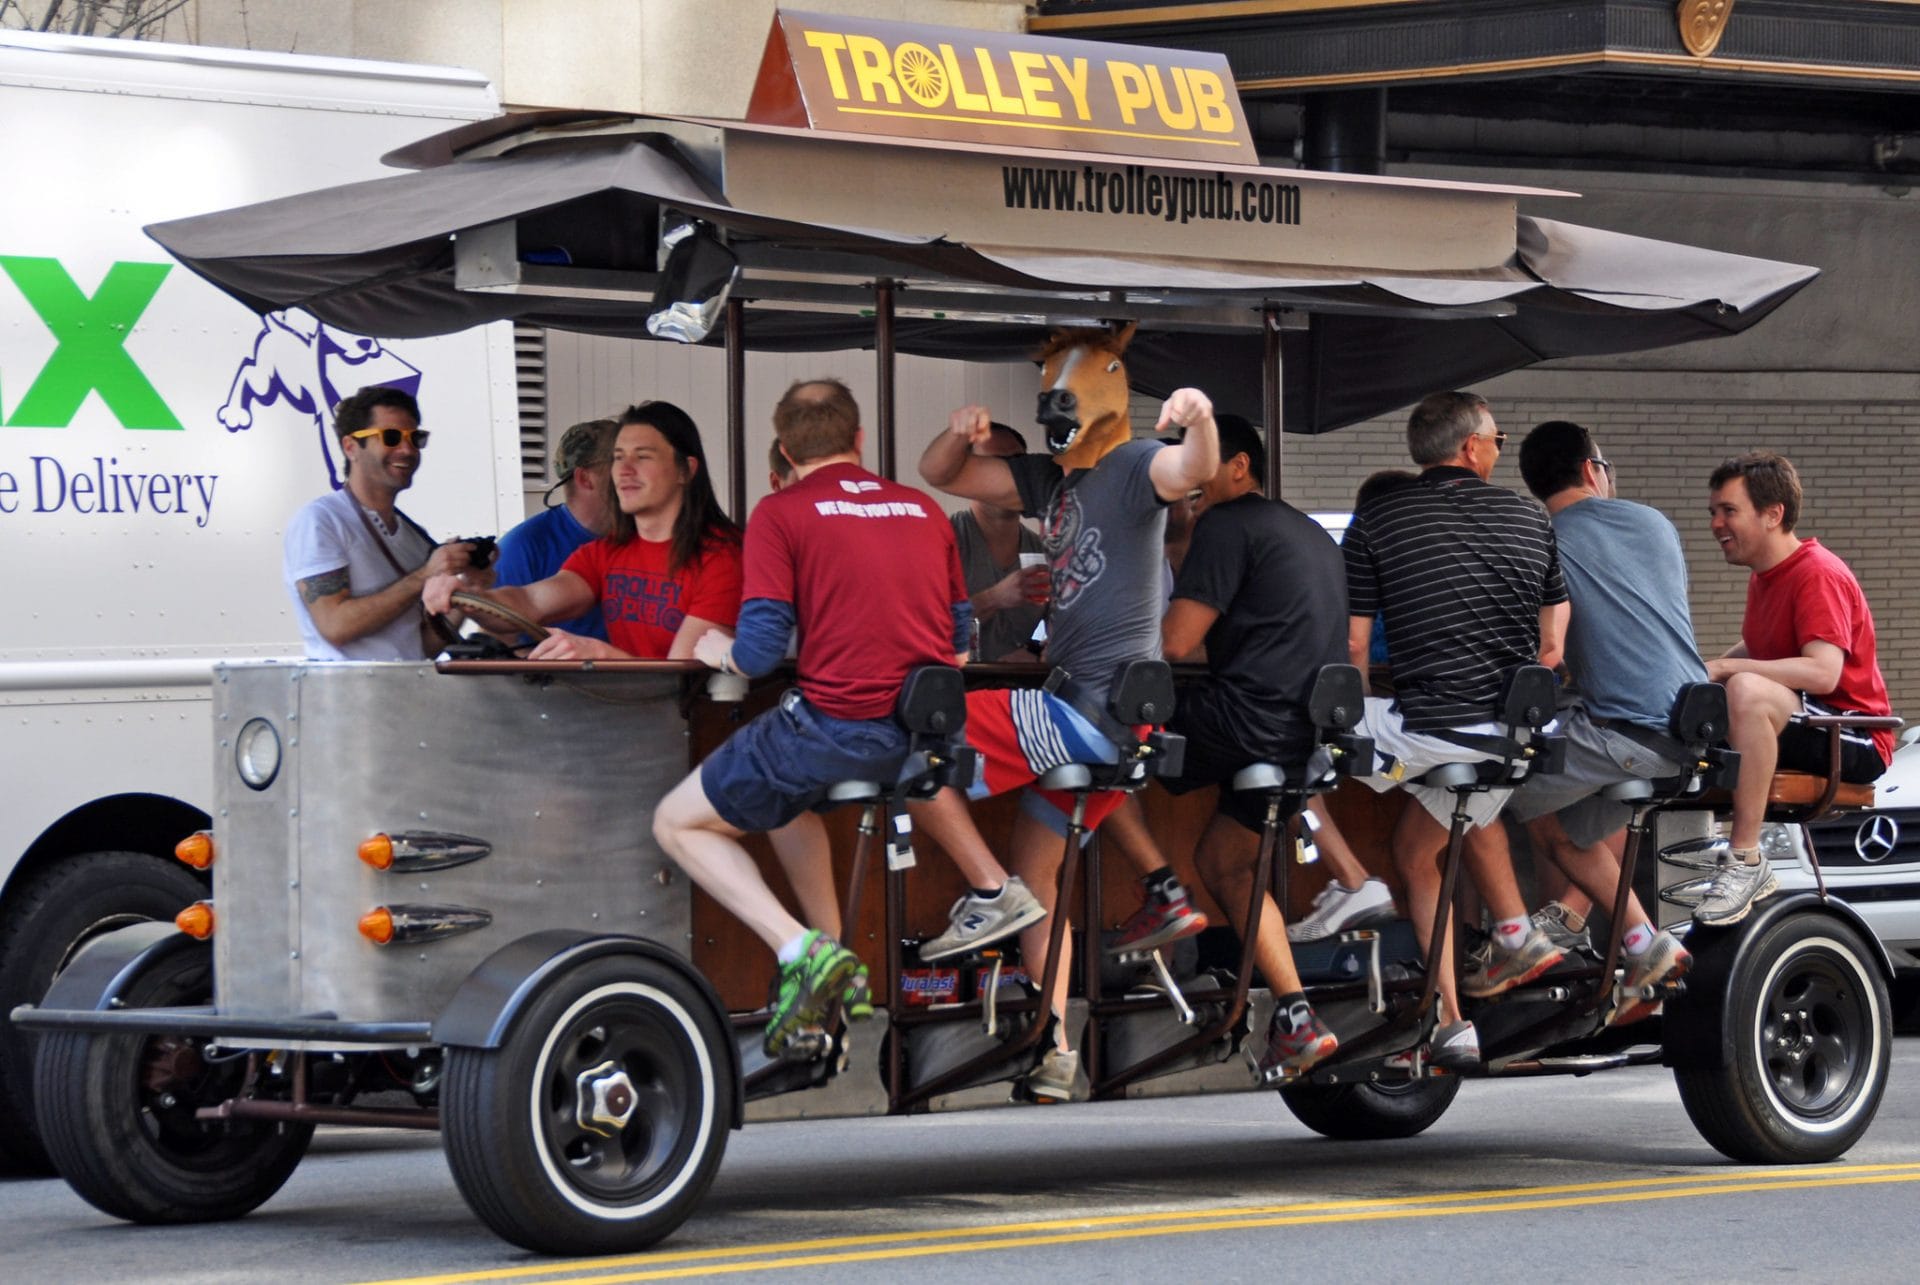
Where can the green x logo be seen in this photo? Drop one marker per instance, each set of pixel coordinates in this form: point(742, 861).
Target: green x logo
point(92, 334)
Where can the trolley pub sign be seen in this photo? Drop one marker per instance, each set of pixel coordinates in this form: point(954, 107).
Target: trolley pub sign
point(864, 76)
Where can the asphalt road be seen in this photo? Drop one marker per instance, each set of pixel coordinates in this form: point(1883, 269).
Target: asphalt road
point(1528, 1181)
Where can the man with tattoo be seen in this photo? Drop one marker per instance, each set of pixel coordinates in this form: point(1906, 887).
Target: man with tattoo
point(355, 563)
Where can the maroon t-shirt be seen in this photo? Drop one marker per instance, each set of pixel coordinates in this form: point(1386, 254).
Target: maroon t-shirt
point(870, 569)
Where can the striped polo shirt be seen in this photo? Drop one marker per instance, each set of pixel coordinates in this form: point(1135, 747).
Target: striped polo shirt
point(1460, 570)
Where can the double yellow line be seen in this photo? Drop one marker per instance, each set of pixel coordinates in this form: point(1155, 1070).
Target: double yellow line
point(794, 1254)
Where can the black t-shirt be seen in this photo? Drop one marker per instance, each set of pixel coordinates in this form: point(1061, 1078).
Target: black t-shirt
point(1460, 569)
point(1278, 582)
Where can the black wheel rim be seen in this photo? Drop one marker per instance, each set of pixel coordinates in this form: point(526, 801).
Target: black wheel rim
point(1816, 1032)
point(170, 1078)
point(627, 1164)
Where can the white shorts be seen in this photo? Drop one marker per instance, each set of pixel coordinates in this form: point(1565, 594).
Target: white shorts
point(1419, 752)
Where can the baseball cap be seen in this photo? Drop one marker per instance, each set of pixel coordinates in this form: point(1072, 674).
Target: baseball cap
point(582, 446)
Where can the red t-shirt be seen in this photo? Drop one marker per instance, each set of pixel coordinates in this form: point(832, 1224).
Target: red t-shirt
point(1812, 596)
point(643, 603)
point(872, 573)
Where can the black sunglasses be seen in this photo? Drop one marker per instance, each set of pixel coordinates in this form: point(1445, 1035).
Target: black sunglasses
point(1599, 463)
point(392, 437)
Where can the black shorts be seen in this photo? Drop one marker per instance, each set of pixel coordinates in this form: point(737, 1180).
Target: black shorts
point(1214, 754)
point(1809, 749)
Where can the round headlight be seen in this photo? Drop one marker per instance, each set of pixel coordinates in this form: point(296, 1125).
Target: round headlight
point(256, 752)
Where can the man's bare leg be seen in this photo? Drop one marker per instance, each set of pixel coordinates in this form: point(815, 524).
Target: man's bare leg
point(1037, 853)
point(1593, 870)
point(1489, 862)
point(1419, 847)
point(806, 855)
point(1758, 710)
point(689, 830)
point(1226, 858)
point(1335, 851)
point(1126, 830)
point(946, 820)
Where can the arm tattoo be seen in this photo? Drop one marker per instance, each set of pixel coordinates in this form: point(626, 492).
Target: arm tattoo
point(324, 585)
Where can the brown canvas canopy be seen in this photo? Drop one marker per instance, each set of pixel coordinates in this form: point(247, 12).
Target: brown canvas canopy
point(553, 219)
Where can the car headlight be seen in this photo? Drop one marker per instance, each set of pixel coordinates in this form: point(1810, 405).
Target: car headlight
point(256, 753)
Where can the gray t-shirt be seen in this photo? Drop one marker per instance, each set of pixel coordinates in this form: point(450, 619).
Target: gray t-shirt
point(1104, 529)
point(1004, 631)
point(327, 535)
point(1630, 643)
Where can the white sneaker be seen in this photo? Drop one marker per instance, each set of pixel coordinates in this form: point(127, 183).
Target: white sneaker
point(973, 923)
point(1337, 909)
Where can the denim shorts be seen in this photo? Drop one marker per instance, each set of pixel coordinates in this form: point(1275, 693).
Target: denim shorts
point(780, 764)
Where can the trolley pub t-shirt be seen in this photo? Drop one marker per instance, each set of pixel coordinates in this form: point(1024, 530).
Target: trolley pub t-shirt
point(644, 603)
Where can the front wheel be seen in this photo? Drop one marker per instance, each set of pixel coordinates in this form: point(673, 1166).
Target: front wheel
point(1371, 1112)
point(598, 1125)
point(1812, 1039)
point(118, 1113)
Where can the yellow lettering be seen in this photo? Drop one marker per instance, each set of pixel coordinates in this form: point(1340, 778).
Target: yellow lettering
point(963, 98)
point(1129, 88)
point(872, 67)
point(1075, 79)
point(831, 47)
point(920, 74)
point(999, 101)
point(1181, 119)
point(1210, 101)
point(1026, 65)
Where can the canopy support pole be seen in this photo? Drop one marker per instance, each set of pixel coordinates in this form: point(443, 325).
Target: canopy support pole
point(737, 410)
point(883, 356)
point(1270, 406)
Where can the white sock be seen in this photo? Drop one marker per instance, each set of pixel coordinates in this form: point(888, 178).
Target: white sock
point(1638, 939)
point(1511, 932)
point(793, 949)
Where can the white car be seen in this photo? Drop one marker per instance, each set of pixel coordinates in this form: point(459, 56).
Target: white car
point(1871, 860)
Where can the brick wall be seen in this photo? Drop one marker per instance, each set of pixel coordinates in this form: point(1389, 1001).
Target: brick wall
point(1862, 491)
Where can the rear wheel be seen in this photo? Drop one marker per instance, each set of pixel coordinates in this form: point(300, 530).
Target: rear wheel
point(1812, 1039)
point(1371, 1112)
point(55, 912)
point(598, 1125)
point(118, 1113)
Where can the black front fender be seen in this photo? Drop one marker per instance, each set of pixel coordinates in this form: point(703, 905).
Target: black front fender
point(110, 963)
point(482, 1012)
point(1697, 1028)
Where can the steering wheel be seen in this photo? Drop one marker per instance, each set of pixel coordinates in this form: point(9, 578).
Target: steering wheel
point(478, 605)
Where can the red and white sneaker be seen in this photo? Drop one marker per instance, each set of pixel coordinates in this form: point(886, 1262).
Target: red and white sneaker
point(1165, 916)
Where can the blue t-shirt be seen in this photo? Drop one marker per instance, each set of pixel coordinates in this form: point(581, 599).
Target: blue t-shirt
point(1630, 641)
point(536, 549)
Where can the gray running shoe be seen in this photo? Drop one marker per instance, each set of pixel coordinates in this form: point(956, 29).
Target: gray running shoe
point(1551, 919)
point(973, 922)
point(1057, 1078)
point(1455, 1046)
point(1735, 887)
point(1337, 909)
point(1665, 960)
point(1508, 969)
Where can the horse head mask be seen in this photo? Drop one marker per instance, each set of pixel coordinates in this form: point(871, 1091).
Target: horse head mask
point(1083, 397)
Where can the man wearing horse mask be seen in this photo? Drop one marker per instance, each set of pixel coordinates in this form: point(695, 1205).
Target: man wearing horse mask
point(1101, 498)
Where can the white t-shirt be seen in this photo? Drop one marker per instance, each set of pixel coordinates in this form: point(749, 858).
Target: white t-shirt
point(327, 535)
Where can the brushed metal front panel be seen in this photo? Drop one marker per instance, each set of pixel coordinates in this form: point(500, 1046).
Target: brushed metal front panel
point(561, 777)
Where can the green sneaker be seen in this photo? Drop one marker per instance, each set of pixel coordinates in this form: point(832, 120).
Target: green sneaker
point(857, 1000)
point(808, 989)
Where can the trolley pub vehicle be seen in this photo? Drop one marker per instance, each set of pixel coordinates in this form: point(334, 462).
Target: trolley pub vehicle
point(439, 879)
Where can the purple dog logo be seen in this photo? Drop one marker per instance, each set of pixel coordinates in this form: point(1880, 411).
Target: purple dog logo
point(310, 366)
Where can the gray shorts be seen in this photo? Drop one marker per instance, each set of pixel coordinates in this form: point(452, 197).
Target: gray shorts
point(1596, 758)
